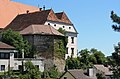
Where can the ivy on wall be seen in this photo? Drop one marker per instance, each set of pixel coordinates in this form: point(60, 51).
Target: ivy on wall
point(59, 49)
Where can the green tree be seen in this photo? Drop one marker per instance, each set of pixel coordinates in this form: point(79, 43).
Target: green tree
point(15, 39)
point(84, 59)
point(72, 63)
point(100, 76)
point(115, 61)
point(32, 72)
point(97, 56)
point(64, 33)
point(116, 19)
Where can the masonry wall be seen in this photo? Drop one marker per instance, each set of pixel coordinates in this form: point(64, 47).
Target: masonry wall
point(44, 45)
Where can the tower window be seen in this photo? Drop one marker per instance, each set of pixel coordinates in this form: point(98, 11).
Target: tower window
point(72, 38)
point(48, 23)
point(69, 27)
point(66, 50)
point(72, 51)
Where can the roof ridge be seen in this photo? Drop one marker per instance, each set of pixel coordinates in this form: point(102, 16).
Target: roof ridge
point(51, 29)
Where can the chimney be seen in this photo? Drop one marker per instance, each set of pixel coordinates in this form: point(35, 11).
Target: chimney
point(90, 72)
point(40, 9)
point(27, 11)
point(44, 7)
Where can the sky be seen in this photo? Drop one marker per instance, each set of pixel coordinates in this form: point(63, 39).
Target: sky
point(91, 18)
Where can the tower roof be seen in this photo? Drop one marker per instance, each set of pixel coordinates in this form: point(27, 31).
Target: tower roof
point(40, 29)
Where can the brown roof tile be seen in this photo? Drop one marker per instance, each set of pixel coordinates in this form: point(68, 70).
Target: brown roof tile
point(24, 20)
point(5, 46)
point(38, 17)
point(40, 29)
point(63, 17)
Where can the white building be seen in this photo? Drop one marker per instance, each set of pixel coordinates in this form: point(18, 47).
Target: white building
point(48, 17)
point(7, 59)
point(64, 23)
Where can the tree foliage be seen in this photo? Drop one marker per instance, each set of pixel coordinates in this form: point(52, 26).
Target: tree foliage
point(86, 59)
point(32, 72)
point(15, 39)
point(64, 33)
point(52, 73)
point(115, 61)
point(116, 19)
point(100, 76)
point(59, 49)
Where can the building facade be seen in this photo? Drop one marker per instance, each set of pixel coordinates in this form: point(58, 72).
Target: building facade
point(7, 59)
point(48, 17)
point(71, 35)
point(46, 41)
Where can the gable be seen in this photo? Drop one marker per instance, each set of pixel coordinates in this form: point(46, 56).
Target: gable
point(68, 75)
point(52, 16)
point(63, 17)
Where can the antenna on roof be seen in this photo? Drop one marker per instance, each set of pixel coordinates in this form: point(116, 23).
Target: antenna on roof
point(43, 7)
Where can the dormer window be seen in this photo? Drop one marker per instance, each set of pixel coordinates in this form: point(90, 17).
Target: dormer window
point(48, 23)
point(69, 27)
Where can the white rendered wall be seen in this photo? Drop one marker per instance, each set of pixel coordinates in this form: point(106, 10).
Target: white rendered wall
point(18, 62)
point(12, 60)
point(4, 62)
point(71, 32)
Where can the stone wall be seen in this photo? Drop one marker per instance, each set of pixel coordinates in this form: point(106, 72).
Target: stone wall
point(45, 47)
point(43, 44)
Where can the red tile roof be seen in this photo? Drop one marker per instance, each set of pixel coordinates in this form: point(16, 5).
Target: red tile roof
point(9, 10)
point(63, 17)
point(24, 20)
point(38, 17)
point(40, 29)
point(5, 46)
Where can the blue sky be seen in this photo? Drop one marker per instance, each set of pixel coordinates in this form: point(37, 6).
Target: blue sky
point(91, 19)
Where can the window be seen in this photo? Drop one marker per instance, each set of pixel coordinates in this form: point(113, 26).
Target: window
point(72, 38)
point(72, 51)
point(37, 66)
point(7, 56)
point(69, 27)
point(54, 24)
point(2, 55)
point(2, 67)
point(65, 77)
point(48, 23)
point(66, 50)
point(63, 26)
point(20, 67)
